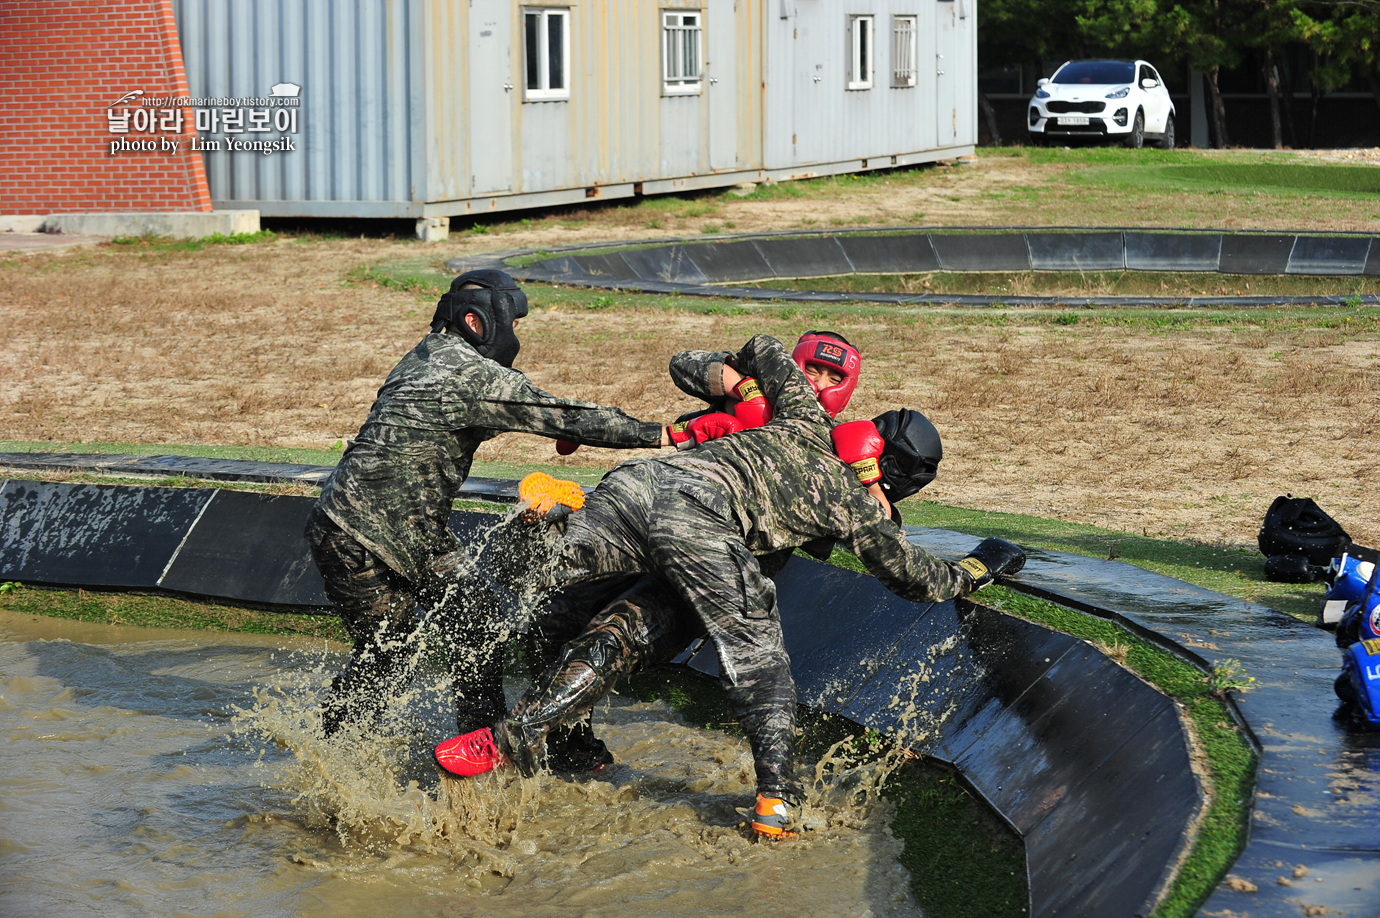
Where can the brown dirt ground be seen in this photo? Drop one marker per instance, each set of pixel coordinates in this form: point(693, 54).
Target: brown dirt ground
point(1180, 433)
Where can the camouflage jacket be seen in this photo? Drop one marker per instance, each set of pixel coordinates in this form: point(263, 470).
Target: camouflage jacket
point(786, 486)
point(700, 374)
point(395, 484)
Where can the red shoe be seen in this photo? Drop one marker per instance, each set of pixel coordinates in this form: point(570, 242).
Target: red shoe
point(470, 754)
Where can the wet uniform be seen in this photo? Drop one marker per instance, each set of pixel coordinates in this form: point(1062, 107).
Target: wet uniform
point(698, 520)
point(379, 532)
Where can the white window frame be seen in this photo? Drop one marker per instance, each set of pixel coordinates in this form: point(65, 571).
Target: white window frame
point(905, 41)
point(543, 91)
point(681, 77)
point(862, 47)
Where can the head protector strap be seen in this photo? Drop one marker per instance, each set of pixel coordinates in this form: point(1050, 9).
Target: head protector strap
point(830, 350)
point(496, 299)
point(911, 456)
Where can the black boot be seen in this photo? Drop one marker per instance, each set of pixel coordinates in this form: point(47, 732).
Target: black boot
point(360, 693)
point(575, 749)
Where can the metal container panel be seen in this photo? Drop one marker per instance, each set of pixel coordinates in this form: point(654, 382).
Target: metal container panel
point(356, 64)
point(812, 118)
point(415, 107)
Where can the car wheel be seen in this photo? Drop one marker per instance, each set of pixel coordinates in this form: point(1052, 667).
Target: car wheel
point(1136, 139)
point(1167, 139)
point(1035, 140)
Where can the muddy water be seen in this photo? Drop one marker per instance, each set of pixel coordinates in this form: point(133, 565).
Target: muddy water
point(160, 773)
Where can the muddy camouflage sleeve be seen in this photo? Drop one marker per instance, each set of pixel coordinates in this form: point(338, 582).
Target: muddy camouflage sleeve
point(766, 359)
point(512, 403)
point(699, 374)
point(905, 569)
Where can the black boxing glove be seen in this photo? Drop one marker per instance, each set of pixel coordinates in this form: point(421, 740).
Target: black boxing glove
point(991, 559)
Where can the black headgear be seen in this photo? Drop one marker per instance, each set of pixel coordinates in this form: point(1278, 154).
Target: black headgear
point(911, 456)
point(496, 299)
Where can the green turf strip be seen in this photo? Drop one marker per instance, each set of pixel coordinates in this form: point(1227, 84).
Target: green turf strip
point(1298, 179)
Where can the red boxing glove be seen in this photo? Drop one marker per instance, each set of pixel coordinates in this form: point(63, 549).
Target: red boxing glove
point(705, 427)
point(566, 447)
point(860, 445)
point(752, 407)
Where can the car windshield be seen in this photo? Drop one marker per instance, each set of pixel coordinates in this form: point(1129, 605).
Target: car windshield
point(1096, 72)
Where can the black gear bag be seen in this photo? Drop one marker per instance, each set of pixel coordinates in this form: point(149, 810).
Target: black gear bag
point(1298, 526)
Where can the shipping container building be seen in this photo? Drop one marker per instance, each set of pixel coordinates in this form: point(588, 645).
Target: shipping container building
point(441, 108)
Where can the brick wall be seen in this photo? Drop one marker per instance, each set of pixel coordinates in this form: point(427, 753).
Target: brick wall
point(63, 63)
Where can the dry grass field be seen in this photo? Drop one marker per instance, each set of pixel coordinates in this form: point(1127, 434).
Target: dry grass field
point(1176, 424)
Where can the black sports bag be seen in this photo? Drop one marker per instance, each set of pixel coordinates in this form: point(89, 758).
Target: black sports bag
point(1298, 526)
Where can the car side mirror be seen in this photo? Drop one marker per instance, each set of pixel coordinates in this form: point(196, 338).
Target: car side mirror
point(1042, 81)
point(1149, 83)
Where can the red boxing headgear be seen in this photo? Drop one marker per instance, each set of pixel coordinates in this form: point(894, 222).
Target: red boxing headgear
point(828, 349)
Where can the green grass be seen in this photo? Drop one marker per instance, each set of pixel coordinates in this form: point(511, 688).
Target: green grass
point(254, 453)
point(322, 457)
point(152, 243)
point(1294, 179)
point(166, 612)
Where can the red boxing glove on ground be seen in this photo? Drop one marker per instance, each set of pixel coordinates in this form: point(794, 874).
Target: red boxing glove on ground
point(752, 408)
point(566, 447)
point(705, 427)
point(860, 445)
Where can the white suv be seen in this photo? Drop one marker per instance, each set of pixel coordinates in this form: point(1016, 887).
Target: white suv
point(1123, 100)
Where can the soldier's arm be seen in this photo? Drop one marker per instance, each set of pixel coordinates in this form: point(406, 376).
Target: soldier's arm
point(700, 374)
point(511, 403)
point(784, 385)
point(905, 569)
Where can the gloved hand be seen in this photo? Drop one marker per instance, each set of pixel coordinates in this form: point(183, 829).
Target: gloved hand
point(703, 428)
point(566, 447)
point(992, 558)
point(859, 444)
point(752, 407)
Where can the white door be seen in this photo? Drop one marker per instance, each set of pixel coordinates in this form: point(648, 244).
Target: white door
point(721, 84)
point(947, 60)
point(1156, 100)
point(809, 126)
point(492, 97)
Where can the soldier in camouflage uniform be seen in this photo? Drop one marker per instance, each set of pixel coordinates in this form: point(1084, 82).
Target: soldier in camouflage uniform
point(379, 532)
point(699, 520)
point(630, 624)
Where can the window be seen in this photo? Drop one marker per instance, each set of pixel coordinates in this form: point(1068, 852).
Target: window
point(681, 65)
point(860, 64)
point(903, 60)
point(547, 51)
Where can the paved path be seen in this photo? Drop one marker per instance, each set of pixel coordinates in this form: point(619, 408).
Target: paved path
point(25, 243)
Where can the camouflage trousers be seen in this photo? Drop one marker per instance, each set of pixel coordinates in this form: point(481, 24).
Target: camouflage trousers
point(381, 610)
point(650, 517)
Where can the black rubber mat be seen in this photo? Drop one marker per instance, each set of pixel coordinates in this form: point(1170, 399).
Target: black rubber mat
point(1339, 255)
point(249, 547)
point(1173, 252)
point(93, 535)
point(1076, 251)
point(982, 252)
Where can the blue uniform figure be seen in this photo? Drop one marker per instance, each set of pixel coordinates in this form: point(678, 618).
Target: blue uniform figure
point(1356, 592)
